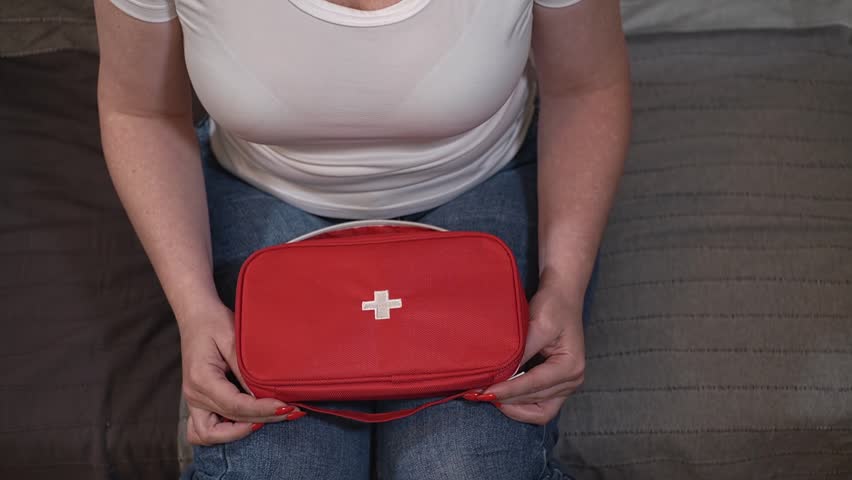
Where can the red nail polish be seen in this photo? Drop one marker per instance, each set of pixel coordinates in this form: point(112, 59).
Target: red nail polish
point(486, 397)
point(471, 396)
point(295, 416)
point(256, 426)
point(281, 411)
point(497, 404)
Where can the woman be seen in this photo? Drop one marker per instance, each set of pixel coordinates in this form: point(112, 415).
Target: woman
point(323, 110)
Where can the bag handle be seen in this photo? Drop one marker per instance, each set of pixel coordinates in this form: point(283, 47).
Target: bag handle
point(375, 417)
point(366, 223)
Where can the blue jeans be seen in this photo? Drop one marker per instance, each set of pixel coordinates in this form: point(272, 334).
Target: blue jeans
point(457, 440)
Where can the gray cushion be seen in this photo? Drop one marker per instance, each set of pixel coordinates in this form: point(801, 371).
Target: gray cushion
point(720, 342)
point(698, 15)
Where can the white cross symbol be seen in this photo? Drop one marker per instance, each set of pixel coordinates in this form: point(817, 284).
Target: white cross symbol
point(381, 304)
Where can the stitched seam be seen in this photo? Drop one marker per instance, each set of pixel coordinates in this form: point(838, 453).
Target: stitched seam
point(833, 473)
point(739, 195)
point(225, 461)
point(89, 464)
point(95, 284)
point(701, 431)
point(721, 316)
point(740, 135)
point(38, 387)
point(757, 77)
point(726, 351)
point(710, 463)
point(57, 19)
point(94, 425)
point(394, 378)
point(722, 248)
point(44, 252)
point(779, 53)
point(94, 348)
point(738, 108)
point(543, 450)
point(717, 388)
point(746, 163)
point(42, 51)
point(704, 216)
point(742, 279)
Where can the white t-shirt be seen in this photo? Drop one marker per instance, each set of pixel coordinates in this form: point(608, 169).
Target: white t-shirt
point(359, 114)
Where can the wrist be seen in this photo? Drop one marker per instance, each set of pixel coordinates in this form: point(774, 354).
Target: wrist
point(193, 305)
point(567, 258)
point(568, 283)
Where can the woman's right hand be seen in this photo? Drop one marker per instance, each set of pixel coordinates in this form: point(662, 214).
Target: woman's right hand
point(218, 411)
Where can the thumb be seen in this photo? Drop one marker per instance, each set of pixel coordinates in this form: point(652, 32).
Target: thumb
point(540, 334)
point(229, 354)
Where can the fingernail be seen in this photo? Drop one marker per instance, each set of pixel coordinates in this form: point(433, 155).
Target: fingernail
point(497, 404)
point(256, 426)
point(486, 397)
point(283, 411)
point(471, 396)
point(295, 416)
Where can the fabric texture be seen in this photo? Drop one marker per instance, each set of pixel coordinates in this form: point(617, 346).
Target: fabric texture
point(720, 337)
point(402, 315)
point(39, 26)
point(459, 440)
point(90, 369)
point(396, 111)
point(644, 16)
point(164, 10)
point(155, 11)
point(29, 27)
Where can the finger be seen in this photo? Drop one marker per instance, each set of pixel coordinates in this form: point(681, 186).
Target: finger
point(539, 335)
point(281, 411)
point(223, 397)
point(191, 434)
point(558, 369)
point(535, 413)
point(228, 350)
point(205, 428)
point(561, 390)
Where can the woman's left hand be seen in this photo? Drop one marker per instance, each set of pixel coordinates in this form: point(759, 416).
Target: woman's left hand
point(556, 333)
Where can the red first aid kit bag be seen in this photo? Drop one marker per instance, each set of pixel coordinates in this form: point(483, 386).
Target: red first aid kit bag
point(367, 311)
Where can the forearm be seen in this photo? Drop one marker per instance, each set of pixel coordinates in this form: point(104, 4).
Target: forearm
point(155, 165)
point(583, 140)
